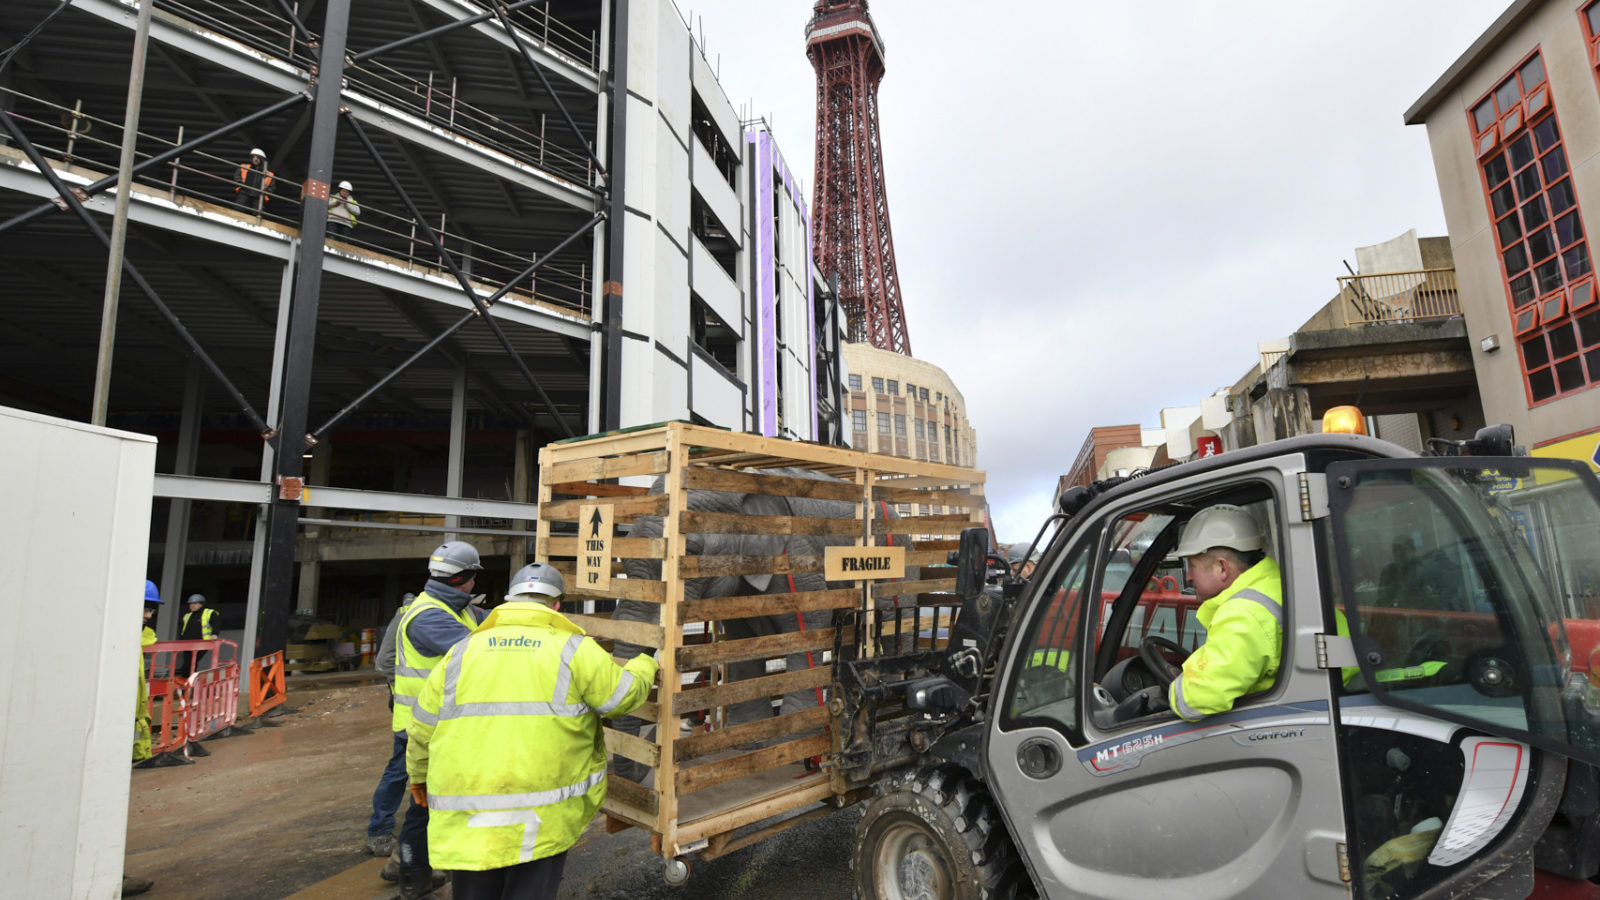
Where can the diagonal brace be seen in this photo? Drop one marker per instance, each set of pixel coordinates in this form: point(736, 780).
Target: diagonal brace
point(165, 156)
point(435, 32)
point(133, 273)
point(455, 270)
point(305, 33)
point(456, 326)
point(505, 19)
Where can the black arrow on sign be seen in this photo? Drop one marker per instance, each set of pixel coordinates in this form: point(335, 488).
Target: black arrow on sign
point(594, 524)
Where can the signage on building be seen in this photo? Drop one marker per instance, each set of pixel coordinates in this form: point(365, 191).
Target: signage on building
point(594, 546)
point(857, 563)
point(1584, 448)
point(1208, 445)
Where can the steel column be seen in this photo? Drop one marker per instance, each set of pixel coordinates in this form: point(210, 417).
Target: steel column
point(283, 520)
point(119, 221)
point(175, 554)
point(458, 444)
point(617, 86)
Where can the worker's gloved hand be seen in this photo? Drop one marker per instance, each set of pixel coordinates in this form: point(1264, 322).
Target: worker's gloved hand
point(419, 794)
point(1150, 700)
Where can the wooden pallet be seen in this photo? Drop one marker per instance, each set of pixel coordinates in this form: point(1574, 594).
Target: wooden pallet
point(715, 789)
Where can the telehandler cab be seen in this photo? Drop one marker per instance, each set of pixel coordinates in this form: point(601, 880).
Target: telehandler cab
point(1443, 743)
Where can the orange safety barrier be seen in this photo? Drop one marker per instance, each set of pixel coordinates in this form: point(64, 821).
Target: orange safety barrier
point(163, 656)
point(169, 718)
point(213, 700)
point(266, 683)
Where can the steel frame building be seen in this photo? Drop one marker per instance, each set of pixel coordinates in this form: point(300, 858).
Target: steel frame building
point(564, 228)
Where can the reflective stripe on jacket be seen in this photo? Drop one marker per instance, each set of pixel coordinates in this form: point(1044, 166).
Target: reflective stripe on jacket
point(1243, 647)
point(207, 632)
point(411, 668)
point(506, 736)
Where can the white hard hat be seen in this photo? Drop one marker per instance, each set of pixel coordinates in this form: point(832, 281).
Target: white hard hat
point(257, 151)
point(452, 558)
point(537, 578)
point(1223, 525)
point(346, 186)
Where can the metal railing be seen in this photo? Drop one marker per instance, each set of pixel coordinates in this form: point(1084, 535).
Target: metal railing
point(1399, 297)
point(210, 183)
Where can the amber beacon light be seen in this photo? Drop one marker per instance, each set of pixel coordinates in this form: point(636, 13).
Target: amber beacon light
point(1344, 420)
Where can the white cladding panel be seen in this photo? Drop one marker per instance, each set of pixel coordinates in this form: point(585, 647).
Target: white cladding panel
point(77, 527)
point(671, 298)
point(716, 191)
point(672, 185)
point(715, 287)
point(643, 46)
point(639, 274)
point(672, 70)
point(715, 101)
point(716, 398)
point(670, 388)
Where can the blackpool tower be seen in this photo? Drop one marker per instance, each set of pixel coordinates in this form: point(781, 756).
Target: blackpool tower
point(850, 224)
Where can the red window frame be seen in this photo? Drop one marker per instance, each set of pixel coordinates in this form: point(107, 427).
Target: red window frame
point(1538, 231)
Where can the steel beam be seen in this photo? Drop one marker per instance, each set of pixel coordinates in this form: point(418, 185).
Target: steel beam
point(478, 21)
point(234, 490)
point(282, 520)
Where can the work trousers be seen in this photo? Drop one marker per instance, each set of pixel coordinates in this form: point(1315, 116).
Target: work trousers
point(414, 834)
point(391, 790)
point(534, 880)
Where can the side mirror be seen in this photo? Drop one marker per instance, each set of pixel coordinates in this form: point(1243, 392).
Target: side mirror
point(971, 561)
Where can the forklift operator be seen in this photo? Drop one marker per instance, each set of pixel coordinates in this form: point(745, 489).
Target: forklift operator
point(1241, 591)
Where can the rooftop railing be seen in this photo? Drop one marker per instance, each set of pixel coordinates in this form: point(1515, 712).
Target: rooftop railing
point(1399, 297)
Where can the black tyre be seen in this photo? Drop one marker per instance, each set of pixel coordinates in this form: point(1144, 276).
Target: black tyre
point(935, 835)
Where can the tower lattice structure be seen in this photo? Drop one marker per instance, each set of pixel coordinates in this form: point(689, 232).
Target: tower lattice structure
point(850, 224)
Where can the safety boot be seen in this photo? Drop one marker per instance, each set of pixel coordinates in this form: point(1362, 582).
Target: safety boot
point(416, 884)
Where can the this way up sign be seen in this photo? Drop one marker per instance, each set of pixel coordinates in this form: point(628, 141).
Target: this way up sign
point(594, 546)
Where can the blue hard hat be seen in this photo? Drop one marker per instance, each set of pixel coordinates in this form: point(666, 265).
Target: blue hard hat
point(151, 595)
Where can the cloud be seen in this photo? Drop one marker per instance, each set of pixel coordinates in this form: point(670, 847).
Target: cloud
point(1100, 209)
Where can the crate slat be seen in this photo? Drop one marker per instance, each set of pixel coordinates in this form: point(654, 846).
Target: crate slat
point(766, 646)
point(714, 566)
point(625, 509)
point(642, 633)
point(751, 689)
point(733, 768)
point(709, 479)
point(709, 742)
point(633, 747)
point(733, 523)
point(612, 467)
point(717, 608)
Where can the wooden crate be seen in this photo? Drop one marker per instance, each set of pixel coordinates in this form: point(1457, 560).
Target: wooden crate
point(715, 789)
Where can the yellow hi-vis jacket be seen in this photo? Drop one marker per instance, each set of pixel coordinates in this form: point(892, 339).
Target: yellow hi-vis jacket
point(506, 735)
point(411, 668)
point(207, 614)
point(1244, 644)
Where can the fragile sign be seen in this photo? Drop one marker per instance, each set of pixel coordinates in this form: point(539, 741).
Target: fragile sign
point(594, 546)
point(852, 563)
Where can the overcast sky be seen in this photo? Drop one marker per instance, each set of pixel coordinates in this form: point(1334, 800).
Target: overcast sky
point(1099, 208)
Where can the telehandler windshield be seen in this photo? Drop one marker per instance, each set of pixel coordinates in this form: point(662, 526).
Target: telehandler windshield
point(1463, 582)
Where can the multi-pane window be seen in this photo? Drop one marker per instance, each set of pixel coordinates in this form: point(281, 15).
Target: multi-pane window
point(911, 390)
point(923, 394)
point(1544, 255)
point(855, 382)
point(894, 388)
point(877, 385)
point(1591, 31)
point(918, 429)
point(899, 425)
point(883, 423)
point(858, 419)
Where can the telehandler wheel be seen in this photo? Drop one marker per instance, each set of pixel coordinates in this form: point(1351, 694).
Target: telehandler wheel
point(934, 835)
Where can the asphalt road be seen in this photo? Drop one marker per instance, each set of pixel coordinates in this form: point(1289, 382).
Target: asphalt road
point(808, 862)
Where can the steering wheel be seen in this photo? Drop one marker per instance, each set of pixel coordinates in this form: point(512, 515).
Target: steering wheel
point(1150, 653)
